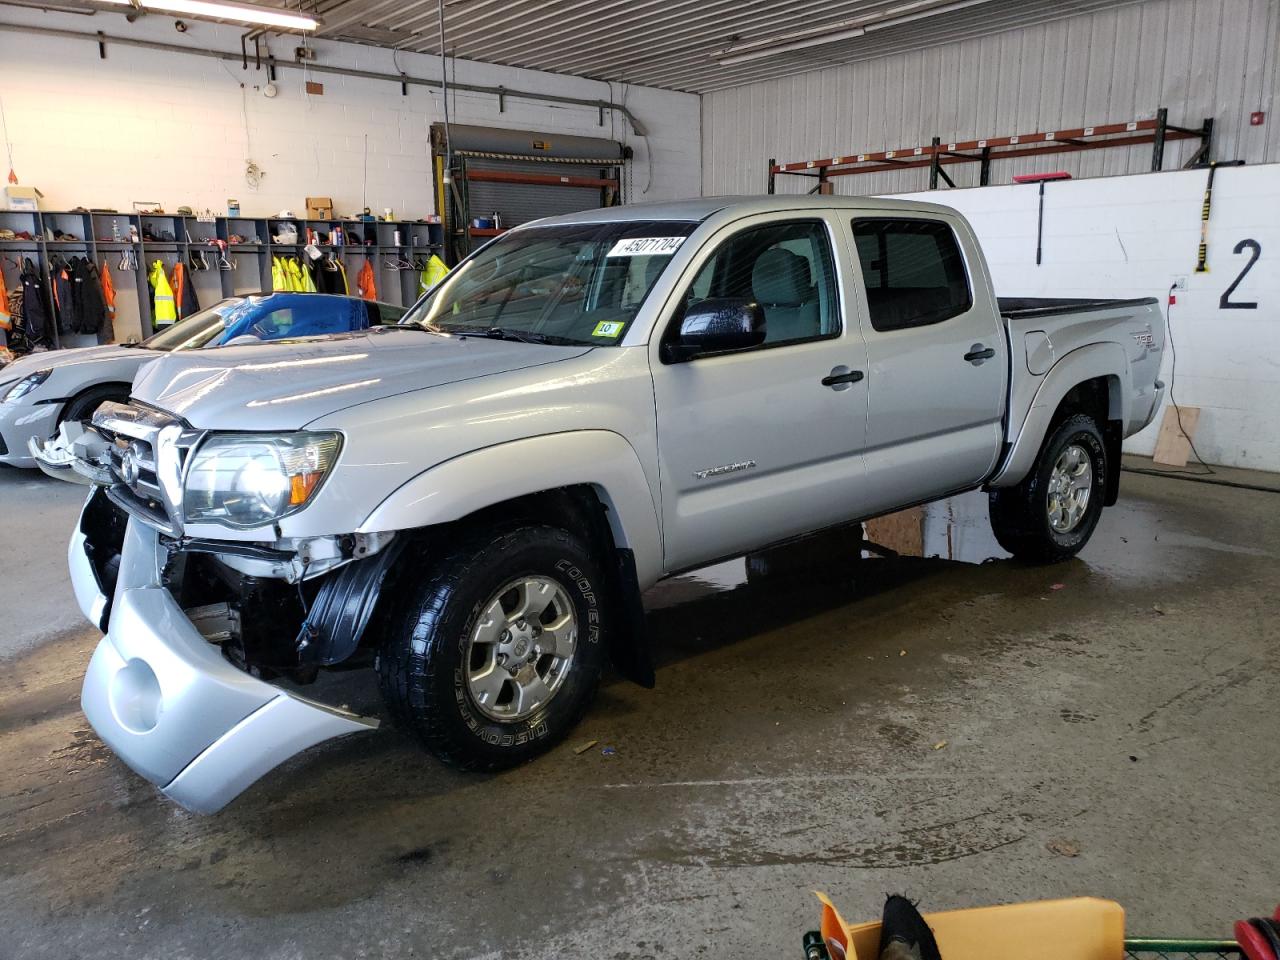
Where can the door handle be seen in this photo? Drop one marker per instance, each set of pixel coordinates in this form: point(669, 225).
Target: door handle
point(978, 353)
point(841, 377)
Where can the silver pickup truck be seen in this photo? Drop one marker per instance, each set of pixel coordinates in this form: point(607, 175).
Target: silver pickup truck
point(472, 502)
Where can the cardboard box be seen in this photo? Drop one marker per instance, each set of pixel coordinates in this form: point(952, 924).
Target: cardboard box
point(22, 198)
point(319, 208)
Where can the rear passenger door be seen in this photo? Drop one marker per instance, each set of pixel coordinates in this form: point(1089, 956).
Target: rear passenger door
point(753, 446)
point(938, 365)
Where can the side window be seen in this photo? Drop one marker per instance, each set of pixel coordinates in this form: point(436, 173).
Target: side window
point(787, 268)
point(913, 272)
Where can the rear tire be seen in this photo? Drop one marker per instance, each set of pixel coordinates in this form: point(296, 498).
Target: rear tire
point(1052, 514)
point(530, 599)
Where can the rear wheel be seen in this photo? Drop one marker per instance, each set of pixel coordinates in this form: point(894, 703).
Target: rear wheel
point(500, 647)
point(1052, 514)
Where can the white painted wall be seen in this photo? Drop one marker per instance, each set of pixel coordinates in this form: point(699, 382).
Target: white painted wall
point(148, 125)
point(1199, 58)
point(1132, 237)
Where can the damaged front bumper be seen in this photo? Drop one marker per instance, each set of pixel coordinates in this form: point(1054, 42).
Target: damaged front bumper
point(165, 699)
point(70, 454)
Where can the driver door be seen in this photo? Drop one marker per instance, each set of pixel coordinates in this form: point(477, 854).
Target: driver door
point(753, 446)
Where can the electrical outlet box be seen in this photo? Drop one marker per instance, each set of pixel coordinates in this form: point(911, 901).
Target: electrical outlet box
point(1179, 283)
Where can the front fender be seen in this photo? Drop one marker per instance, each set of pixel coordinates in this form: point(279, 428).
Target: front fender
point(1086, 363)
point(470, 482)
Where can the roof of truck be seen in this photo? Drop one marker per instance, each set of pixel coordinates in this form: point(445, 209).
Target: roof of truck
point(700, 208)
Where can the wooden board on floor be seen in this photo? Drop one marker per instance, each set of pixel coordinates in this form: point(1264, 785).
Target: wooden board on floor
point(1173, 447)
point(902, 532)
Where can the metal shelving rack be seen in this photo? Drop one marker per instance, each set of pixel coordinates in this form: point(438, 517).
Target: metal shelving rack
point(96, 231)
point(938, 154)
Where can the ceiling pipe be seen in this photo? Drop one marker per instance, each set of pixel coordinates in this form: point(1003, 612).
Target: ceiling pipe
point(396, 78)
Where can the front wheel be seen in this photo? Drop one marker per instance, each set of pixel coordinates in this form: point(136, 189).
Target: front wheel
point(500, 647)
point(1051, 515)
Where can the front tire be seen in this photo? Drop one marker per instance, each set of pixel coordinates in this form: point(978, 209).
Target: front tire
point(1051, 515)
point(500, 647)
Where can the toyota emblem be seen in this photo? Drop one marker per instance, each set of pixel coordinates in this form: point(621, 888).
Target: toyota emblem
point(129, 469)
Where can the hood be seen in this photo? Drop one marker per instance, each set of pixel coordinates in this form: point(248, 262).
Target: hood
point(286, 385)
point(58, 359)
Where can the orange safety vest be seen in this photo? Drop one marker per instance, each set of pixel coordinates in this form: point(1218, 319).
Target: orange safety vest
point(366, 283)
point(179, 283)
point(108, 290)
point(6, 322)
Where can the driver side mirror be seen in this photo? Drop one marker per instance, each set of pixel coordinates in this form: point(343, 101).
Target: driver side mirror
point(716, 326)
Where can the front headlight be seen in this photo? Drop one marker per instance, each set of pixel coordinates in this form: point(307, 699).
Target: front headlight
point(248, 479)
point(25, 385)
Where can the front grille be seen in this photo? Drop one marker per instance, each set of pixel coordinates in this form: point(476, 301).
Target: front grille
point(147, 451)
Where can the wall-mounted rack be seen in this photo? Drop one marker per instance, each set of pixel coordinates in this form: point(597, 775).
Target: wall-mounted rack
point(96, 233)
point(938, 154)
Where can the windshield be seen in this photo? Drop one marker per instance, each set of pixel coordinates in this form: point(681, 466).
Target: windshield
point(578, 283)
point(195, 330)
point(276, 316)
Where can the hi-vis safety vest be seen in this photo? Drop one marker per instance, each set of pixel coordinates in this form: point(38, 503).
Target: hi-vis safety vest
point(279, 279)
point(165, 311)
point(432, 273)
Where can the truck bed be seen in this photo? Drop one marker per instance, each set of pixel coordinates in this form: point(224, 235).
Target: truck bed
point(1027, 307)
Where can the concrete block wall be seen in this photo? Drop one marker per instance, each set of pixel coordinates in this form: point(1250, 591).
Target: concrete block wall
point(1136, 236)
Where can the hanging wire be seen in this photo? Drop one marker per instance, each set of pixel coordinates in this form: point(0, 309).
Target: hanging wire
point(4, 125)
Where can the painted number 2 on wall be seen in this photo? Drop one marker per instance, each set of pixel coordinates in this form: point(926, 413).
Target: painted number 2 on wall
point(1225, 302)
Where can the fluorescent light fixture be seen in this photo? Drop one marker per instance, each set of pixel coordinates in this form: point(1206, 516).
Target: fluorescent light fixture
point(772, 47)
point(221, 10)
point(849, 29)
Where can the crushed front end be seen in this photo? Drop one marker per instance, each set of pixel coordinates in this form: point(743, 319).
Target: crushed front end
point(206, 639)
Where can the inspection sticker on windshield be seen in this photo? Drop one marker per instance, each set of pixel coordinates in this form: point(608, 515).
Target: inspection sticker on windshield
point(646, 247)
point(608, 328)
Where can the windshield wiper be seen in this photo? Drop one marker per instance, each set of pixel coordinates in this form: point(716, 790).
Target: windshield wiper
point(505, 333)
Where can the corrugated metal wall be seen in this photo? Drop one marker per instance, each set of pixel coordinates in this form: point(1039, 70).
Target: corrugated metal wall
point(1199, 58)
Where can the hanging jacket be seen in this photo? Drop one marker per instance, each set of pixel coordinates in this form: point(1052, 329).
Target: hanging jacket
point(308, 280)
point(293, 274)
point(88, 306)
point(164, 310)
point(279, 279)
point(37, 317)
point(366, 283)
point(432, 273)
point(63, 295)
point(6, 321)
point(108, 334)
point(184, 291)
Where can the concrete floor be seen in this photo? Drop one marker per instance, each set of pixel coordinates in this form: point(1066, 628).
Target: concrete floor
point(1122, 707)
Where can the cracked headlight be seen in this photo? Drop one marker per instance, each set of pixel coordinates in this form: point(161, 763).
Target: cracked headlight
point(248, 479)
point(25, 386)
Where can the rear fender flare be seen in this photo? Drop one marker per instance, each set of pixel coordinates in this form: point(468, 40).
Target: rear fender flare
point(483, 478)
point(1087, 363)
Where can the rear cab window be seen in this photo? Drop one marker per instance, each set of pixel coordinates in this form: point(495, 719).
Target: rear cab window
point(913, 272)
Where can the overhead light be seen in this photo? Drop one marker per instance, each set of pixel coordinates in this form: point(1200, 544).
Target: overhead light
point(848, 29)
point(730, 56)
point(221, 10)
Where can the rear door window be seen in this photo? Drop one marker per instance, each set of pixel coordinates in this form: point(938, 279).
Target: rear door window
point(913, 272)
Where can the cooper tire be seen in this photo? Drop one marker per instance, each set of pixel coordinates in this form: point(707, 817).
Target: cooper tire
point(427, 665)
point(1022, 517)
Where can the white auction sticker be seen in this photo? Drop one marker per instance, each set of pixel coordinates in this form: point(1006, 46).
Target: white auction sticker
point(646, 247)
